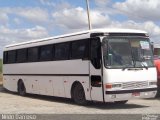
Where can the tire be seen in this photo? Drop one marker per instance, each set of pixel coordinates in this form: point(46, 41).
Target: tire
point(158, 92)
point(121, 102)
point(78, 94)
point(21, 88)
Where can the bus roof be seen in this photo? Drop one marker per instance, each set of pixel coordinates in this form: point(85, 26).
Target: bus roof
point(85, 34)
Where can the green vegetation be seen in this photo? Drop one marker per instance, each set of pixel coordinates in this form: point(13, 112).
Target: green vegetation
point(0, 66)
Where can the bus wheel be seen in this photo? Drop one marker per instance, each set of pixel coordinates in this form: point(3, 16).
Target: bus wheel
point(158, 92)
point(21, 88)
point(78, 94)
point(121, 102)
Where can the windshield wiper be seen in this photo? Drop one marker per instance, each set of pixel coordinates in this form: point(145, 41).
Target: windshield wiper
point(145, 66)
point(131, 68)
point(125, 67)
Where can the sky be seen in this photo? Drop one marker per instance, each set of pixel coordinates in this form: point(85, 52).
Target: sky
point(24, 20)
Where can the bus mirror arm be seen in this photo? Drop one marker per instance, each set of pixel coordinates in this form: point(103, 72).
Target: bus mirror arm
point(110, 59)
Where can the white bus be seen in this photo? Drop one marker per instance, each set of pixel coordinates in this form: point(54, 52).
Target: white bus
point(106, 65)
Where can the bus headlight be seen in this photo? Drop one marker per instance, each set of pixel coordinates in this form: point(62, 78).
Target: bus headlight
point(116, 85)
point(153, 83)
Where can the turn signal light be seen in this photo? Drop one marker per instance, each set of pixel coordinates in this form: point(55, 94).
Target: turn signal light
point(108, 86)
point(115, 85)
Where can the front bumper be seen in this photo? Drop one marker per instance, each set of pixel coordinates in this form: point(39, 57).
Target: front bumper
point(120, 95)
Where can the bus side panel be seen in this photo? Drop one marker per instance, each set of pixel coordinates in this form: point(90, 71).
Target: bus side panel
point(45, 85)
point(10, 83)
point(67, 67)
point(49, 78)
point(58, 86)
point(52, 86)
point(41, 85)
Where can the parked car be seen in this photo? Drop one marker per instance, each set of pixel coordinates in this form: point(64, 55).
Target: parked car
point(157, 64)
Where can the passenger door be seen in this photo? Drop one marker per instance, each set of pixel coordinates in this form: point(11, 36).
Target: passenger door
point(96, 80)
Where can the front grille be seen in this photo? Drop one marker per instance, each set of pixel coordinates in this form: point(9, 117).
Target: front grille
point(132, 85)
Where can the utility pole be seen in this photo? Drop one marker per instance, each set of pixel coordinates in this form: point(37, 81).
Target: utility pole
point(88, 14)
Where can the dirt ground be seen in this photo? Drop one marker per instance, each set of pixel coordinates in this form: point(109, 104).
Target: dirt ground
point(12, 103)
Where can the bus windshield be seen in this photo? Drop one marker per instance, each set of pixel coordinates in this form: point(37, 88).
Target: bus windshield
point(126, 52)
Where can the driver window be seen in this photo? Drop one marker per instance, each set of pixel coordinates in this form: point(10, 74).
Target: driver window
point(96, 53)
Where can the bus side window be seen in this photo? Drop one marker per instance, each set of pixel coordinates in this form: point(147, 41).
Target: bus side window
point(46, 53)
point(12, 56)
point(21, 55)
point(62, 51)
point(79, 49)
point(96, 53)
point(33, 54)
point(5, 57)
